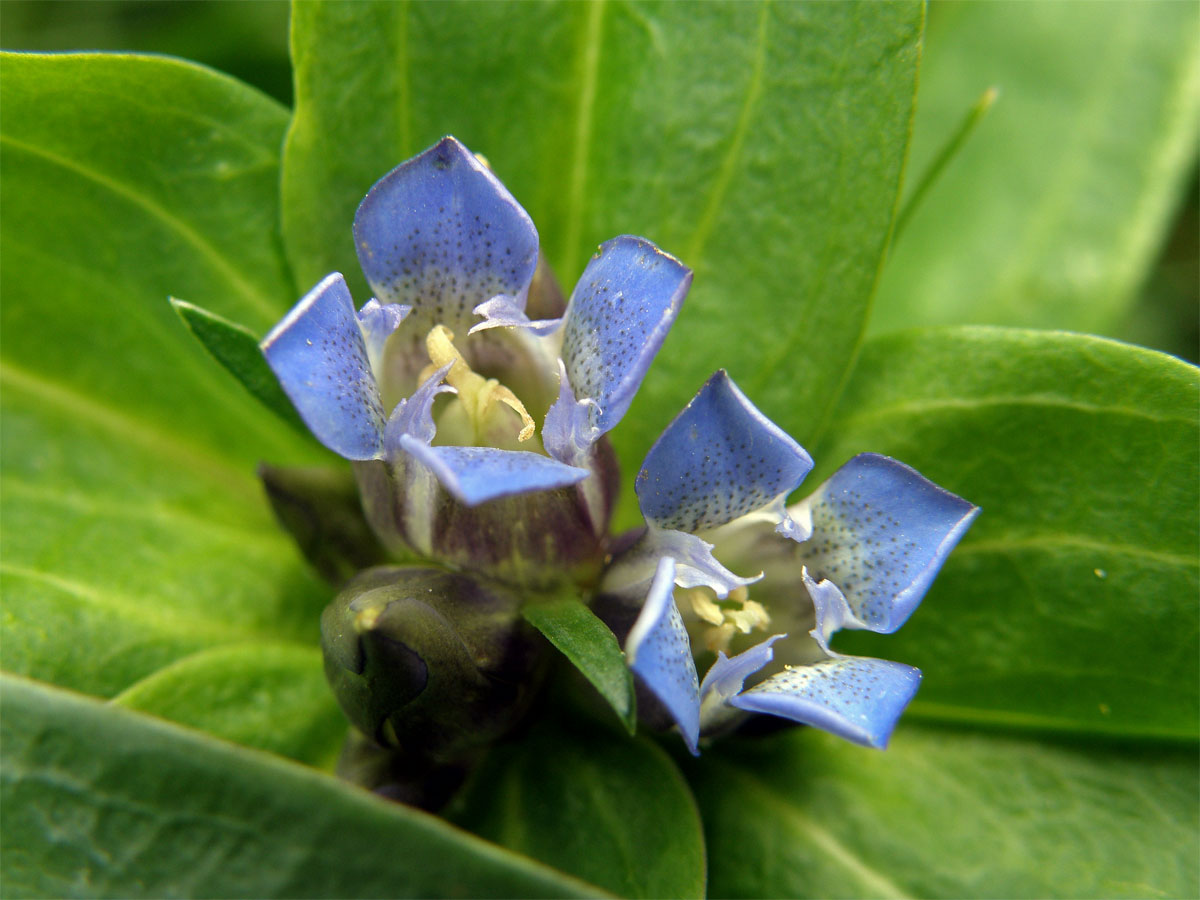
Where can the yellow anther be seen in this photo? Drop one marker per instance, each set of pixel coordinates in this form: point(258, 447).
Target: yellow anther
point(737, 613)
point(704, 607)
point(476, 393)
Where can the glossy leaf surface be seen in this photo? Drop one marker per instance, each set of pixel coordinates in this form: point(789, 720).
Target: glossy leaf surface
point(613, 811)
point(135, 533)
point(1071, 603)
point(1056, 205)
point(947, 815)
point(101, 801)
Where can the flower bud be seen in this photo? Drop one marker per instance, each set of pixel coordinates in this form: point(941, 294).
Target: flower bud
point(432, 663)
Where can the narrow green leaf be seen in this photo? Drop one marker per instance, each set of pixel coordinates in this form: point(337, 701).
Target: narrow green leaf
point(761, 143)
point(1054, 210)
point(135, 531)
point(100, 801)
point(947, 815)
point(269, 696)
point(1071, 603)
point(950, 149)
point(606, 808)
point(591, 646)
point(236, 348)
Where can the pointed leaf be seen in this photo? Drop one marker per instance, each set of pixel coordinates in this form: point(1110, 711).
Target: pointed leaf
point(1055, 208)
point(236, 348)
point(591, 647)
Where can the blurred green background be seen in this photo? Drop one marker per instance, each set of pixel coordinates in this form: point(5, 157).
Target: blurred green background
point(248, 39)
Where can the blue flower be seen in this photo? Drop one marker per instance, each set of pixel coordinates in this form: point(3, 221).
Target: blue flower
point(858, 553)
point(453, 261)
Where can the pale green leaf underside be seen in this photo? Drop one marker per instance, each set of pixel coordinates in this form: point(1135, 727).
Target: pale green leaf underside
point(1057, 205)
point(100, 801)
point(1071, 603)
point(941, 815)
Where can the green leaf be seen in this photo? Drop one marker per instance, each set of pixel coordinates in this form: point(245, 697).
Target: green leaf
point(135, 531)
point(761, 143)
point(591, 646)
point(947, 815)
point(99, 801)
point(608, 809)
point(1058, 204)
point(1071, 603)
point(236, 348)
point(268, 696)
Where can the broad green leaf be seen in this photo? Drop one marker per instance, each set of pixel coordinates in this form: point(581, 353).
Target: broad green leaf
point(591, 647)
point(100, 801)
point(947, 815)
point(269, 696)
point(1071, 603)
point(1057, 205)
point(135, 531)
point(236, 348)
point(607, 809)
point(761, 143)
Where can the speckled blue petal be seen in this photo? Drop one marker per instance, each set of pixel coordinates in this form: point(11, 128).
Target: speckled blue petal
point(720, 459)
point(725, 678)
point(855, 697)
point(880, 532)
point(660, 654)
point(619, 315)
point(475, 475)
point(441, 233)
point(318, 354)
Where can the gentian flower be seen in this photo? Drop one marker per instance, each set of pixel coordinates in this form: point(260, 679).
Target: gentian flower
point(858, 553)
point(467, 480)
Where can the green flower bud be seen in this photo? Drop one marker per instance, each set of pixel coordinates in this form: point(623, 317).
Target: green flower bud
point(432, 663)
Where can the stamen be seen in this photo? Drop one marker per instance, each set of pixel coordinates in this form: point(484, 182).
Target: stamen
point(737, 613)
point(476, 393)
point(704, 607)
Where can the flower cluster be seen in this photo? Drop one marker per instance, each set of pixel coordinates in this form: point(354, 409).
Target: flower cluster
point(473, 404)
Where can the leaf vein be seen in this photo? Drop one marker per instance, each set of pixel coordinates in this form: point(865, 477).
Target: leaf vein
point(206, 250)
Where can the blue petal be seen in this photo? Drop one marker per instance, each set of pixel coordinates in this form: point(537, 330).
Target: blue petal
point(318, 354)
point(619, 315)
point(717, 461)
point(726, 676)
point(475, 475)
point(660, 654)
point(442, 234)
point(855, 697)
point(413, 416)
point(568, 432)
point(505, 312)
point(881, 532)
